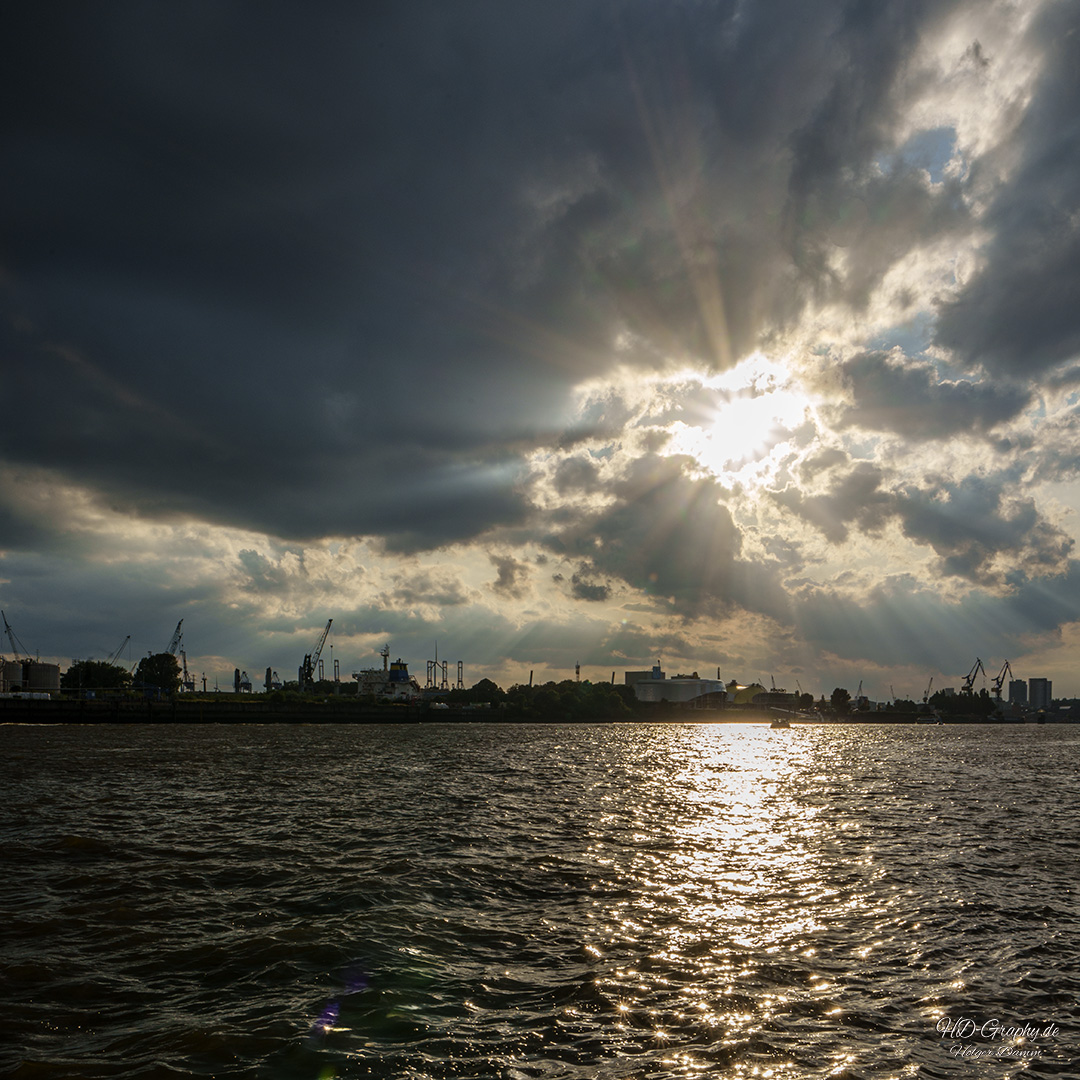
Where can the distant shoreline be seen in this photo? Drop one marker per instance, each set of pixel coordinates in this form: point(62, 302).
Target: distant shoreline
point(216, 711)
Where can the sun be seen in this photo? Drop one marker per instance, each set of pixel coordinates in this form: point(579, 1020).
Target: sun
point(754, 409)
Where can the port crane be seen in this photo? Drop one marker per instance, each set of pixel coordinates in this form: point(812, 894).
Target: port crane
point(17, 647)
point(177, 637)
point(307, 668)
point(113, 658)
point(926, 692)
point(999, 679)
point(969, 679)
point(187, 681)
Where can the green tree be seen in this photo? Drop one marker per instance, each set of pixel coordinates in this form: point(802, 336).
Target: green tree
point(610, 701)
point(95, 675)
point(840, 700)
point(161, 670)
point(486, 690)
point(546, 702)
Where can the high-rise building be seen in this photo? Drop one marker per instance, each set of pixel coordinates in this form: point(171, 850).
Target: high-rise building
point(1017, 692)
point(1039, 692)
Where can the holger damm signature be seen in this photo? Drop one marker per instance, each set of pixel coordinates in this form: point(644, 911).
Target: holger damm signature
point(1006, 1040)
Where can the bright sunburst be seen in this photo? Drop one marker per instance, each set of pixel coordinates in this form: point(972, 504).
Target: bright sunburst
point(759, 404)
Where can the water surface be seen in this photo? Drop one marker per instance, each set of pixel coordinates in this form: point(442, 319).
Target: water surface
point(515, 901)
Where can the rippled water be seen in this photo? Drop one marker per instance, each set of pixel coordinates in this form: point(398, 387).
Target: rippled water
point(609, 901)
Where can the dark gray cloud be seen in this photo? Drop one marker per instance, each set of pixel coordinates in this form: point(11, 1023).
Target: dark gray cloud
point(975, 521)
point(427, 588)
point(670, 535)
point(585, 589)
point(821, 461)
point(982, 527)
point(577, 474)
point(839, 193)
point(303, 271)
point(891, 393)
point(902, 621)
point(856, 496)
point(1018, 315)
point(665, 534)
point(512, 577)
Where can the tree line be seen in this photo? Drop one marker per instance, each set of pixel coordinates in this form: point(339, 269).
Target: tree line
point(158, 671)
point(566, 700)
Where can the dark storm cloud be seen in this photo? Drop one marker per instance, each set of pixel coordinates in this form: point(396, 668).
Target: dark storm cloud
point(665, 533)
point(263, 575)
point(669, 535)
point(584, 589)
point(901, 619)
point(513, 576)
point(22, 529)
point(427, 588)
point(62, 607)
point(855, 497)
point(271, 241)
point(577, 474)
point(820, 462)
point(840, 193)
point(892, 393)
point(303, 271)
point(1019, 314)
point(973, 522)
point(982, 529)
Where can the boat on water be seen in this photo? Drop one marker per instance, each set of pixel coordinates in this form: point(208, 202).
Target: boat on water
point(780, 722)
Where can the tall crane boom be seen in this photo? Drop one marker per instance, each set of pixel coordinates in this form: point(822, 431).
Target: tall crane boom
point(322, 641)
point(11, 637)
point(311, 660)
point(16, 646)
point(113, 657)
point(174, 644)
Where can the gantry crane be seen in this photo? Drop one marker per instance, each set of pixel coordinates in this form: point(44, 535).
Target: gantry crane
point(307, 668)
point(999, 679)
point(969, 679)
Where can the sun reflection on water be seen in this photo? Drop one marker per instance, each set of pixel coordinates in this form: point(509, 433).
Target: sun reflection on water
point(718, 896)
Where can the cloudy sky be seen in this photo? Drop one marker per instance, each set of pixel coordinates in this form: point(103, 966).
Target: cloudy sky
point(743, 335)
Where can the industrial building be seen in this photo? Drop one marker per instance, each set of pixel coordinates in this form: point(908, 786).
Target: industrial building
point(1040, 692)
point(655, 686)
point(1018, 692)
point(29, 677)
point(755, 694)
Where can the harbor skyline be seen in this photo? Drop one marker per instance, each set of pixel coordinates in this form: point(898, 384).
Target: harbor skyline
point(740, 337)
